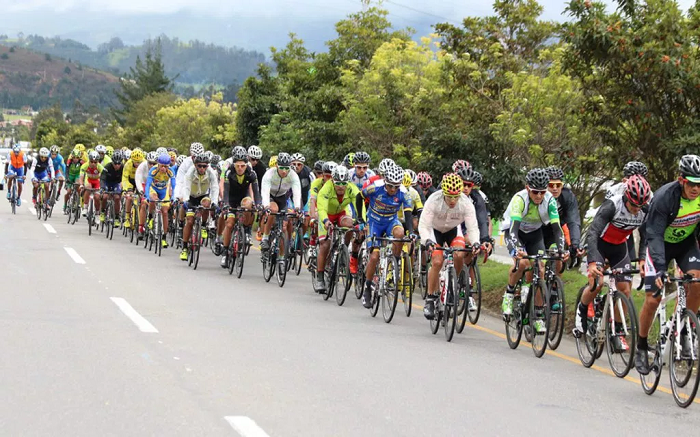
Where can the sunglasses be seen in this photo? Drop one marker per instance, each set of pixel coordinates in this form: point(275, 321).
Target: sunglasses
point(298, 164)
point(691, 184)
point(392, 186)
point(452, 196)
point(253, 159)
point(340, 184)
point(538, 192)
point(468, 184)
point(556, 185)
point(286, 168)
point(202, 165)
point(361, 167)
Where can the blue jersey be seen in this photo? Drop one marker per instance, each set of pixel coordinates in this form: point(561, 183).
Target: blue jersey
point(173, 168)
point(382, 206)
point(159, 180)
point(58, 164)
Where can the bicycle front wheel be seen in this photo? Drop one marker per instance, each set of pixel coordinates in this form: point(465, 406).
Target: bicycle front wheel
point(359, 280)
point(342, 274)
point(240, 253)
point(539, 318)
point(463, 302)
point(283, 261)
point(651, 381)
point(514, 323)
point(621, 337)
point(557, 305)
point(683, 366)
point(407, 284)
point(587, 342)
point(475, 294)
point(390, 289)
point(451, 305)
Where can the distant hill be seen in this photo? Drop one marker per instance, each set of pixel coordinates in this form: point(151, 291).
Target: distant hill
point(39, 80)
point(193, 63)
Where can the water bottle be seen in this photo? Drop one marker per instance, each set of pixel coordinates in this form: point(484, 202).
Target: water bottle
point(523, 294)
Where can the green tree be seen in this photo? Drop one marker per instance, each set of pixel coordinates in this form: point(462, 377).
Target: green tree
point(53, 113)
point(258, 101)
point(142, 120)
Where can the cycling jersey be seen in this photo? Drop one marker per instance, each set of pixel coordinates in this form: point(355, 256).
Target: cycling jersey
point(316, 186)
point(306, 177)
point(567, 206)
point(482, 216)
point(73, 168)
point(329, 203)
point(197, 185)
point(685, 223)
point(416, 202)
point(240, 186)
point(360, 181)
point(58, 164)
point(181, 172)
point(259, 170)
point(105, 160)
point(438, 216)
point(613, 224)
point(159, 181)
point(17, 160)
point(486, 200)
point(90, 172)
point(141, 175)
point(111, 176)
point(382, 206)
point(129, 175)
point(40, 168)
point(530, 216)
point(276, 186)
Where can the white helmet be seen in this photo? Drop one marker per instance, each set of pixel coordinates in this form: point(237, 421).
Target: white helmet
point(255, 152)
point(161, 150)
point(151, 157)
point(298, 157)
point(340, 174)
point(101, 148)
point(44, 152)
point(385, 164)
point(127, 155)
point(196, 148)
point(394, 175)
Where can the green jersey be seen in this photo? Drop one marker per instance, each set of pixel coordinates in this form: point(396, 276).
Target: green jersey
point(328, 202)
point(685, 222)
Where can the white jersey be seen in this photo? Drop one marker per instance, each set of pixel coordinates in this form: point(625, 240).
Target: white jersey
point(618, 190)
point(437, 216)
point(141, 175)
point(186, 165)
point(196, 185)
point(360, 181)
point(276, 186)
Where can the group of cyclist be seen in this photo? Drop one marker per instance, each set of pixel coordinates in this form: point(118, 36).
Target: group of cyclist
point(397, 204)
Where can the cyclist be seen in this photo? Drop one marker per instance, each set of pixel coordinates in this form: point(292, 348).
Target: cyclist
point(90, 178)
point(361, 173)
point(425, 182)
point(569, 217)
point(255, 158)
point(468, 176)
point(276, 185)
point(129, 181)
point(102, 151)
point(201, 188)
point(243, 190)
point(385, 198)
point(316, 185)
point(630, 169)
point(527, 212)
point(333, 201)
point(195, 149)
point(59, 167)
point(478, 179)
point(15, 168)
point(409, 178)
point(73, 165)
point(42, 167)
point(441, 224)
point(160, 185)
point(318, 169)
point(671, 233)
point(613, 224)
point(111, 179)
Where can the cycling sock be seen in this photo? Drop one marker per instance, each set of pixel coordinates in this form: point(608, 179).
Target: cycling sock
point(510, 289)
point(642, 343)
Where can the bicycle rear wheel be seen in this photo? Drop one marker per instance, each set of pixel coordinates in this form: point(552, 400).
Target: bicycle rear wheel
point(463, 292)
point(557, 313)
point(651, 381)
point(475, 294)
point(621, 338)
point(587, 342)
point(451, 305)
point(378, 298)
point(89, 217)
point(195, 249)
point(423, 279)
point(683, 365)
point(390, 289)
point(342, 274)
point(269, 259)
point(359, 279)
point(282, 264)
point(406, 288)
point(298, 252)
point(514, 323)
point(539, 311)
point(240, 252)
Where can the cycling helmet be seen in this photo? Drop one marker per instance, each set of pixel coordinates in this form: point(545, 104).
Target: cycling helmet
point(201, 158)
point(637, 190)
point(283, 159)
point(101, 148)
point(394, 175)
point(90, 150)
point(298, 157)
point(635, 167)
point(349, 160)
point(555, 173)
point(172, 154)
point(137, 156)
point(537, 179)
point(161, 150)
point(80, 147)
point(164, 158)
point(272, 162)
point(414, 177)
point(329, 166)
point(93, 156)
point(209, 154)
point(110, 151)
point(362, 158)
point(478, 178)
point(117, 157)
point(180, 160)
point(255, 152)
point(318, 166)
point(151, 157)
point(215, 160)
point(424, 179)
point(16, 148)
point(466, 173)
point(340, 174)
point(44, 152)
point(460, 163)
point(689, 167)
point(452, 184)
point(196, 148)
point(127, 154)
point(385, 164)
point(55, 149)
point(240, 154)
point(75, 153)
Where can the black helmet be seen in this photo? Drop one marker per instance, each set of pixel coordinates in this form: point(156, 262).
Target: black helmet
point(329, 166)
point(117, 157)
point(362, 158)
point(555, 173)
point(240, 154)
point(635, 167)
point(201, 158)
point(318, 165)
point(466, 173)
point(478, 178)
point(537, 179)
point(689, 166)
point(284, 160)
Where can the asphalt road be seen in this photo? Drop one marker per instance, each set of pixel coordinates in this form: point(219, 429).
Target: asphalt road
point(104, 338)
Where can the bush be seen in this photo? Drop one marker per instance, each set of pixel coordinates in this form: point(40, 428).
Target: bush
point(4, 56)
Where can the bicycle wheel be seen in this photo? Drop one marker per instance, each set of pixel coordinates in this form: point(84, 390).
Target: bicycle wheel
point(298, 252)
point(463, 291)
point(406, 288)
point(76, 207)
point(196, 246)
point(390, 289)
point(240, 252)
point(557, 313)
point(283, 261)
point(651, 381)
point(451, 305)
point(268, 260)
point(39, 207)
point(423, 279)
point(359, 280)
point(683, 366)
point(158, 234)
point(342, 274)
point(107, 218)
point(587, 342)
point(539, 311)
point(378, 298)
point(514, 323)
point(89, 217)
point(621, 338)
point(475, 294)
point(173, 229)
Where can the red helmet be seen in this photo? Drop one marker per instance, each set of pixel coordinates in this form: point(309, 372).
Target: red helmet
point(460, 164)
point(424, 180)
point(637, 190)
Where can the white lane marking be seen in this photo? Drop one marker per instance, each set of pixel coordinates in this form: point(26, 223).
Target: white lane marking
point(49, 228)
point(31, 210)
point(245, 426)
point(73, 254)
point(129, 311)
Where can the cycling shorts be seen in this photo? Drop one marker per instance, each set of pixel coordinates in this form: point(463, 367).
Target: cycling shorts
point(283, 202)
point(92, 183)
point(161, 194)
point(14, 171)
point(59, 175)
point(687, 257)
point(335, 219)
point(382, 228)
point(116, 187)
point(533, 241)
point(41, 177)
point(194, 202)
point(617, 256)
point(548, 235)
point(451, 238)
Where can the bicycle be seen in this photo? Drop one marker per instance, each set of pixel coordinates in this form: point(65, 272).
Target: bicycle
point(384, 283)
point(535, 306)
point(53, 195)
point(154, 231)
point(272, 257)
point(134, 218)
point(237, 250)
point(91, 209)
point(13, 192)
point(557, 303)
point(196, 240)
point(110, 217)
point(602, 327)
point(41, 206)
point(337, 269)
point(682, 333)
point(469, 294)
point(296, 250)
point(447, 305)
point(73, 206)
point(174, 225)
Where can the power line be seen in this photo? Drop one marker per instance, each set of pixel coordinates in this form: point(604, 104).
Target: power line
point(421, 12)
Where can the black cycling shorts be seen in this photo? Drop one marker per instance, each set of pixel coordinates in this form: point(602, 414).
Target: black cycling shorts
point(533, 241)
point(617, 256)
point(686, 254)
point(195, 201)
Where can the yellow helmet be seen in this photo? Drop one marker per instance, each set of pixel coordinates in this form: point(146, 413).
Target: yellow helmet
point(137, 156)
point(76, 153)
point(273, 161)
point(451, 185)
point(80, 147)
point(406, 180)
point(110, 151)
point(173, 155)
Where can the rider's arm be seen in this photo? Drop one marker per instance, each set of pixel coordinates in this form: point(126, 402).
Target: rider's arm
point(407, 209)
point(359, 207)
point(33, 164)
point(62, 165)
point(322, 201)
point(482, 218)
point(213, 185)
point(572, 218)
point(603, 217)
point(265, 189)
point(186, 187)
point(256, 190)
point(103, 177)
point(660, 212)
point(425, 225)
point(149, 182)
point(472, 222)
point(296, 189)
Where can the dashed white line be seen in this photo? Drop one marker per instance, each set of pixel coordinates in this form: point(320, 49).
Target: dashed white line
point(31, 210)
point(245, 426)
point(73, 254)
point(49, 228)
point(129, 311)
